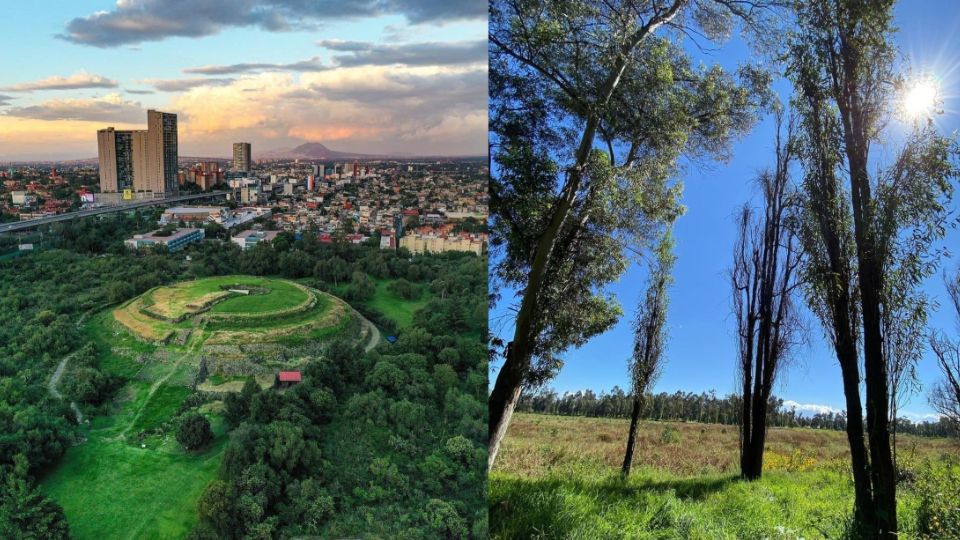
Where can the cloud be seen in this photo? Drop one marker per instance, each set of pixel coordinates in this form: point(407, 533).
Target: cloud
point(359, 53)
point(5, 100)
point(140, 92)
point(811, 408)
point(372, 110)
point(110, 108)
point(919, 417)
point(137, 21)
point(80, 79)
point(180, 85)
point(310, 64)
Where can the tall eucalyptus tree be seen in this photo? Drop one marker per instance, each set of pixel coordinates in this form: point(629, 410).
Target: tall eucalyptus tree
point(592, 103)
point(866, 237)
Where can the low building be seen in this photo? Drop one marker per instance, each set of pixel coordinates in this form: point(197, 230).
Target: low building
point(248, 239)
point(189, 214)
point(177, 240)
point(286, 379)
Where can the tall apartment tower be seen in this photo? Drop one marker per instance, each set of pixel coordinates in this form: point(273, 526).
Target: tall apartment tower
point(122, 156)
point(161, 145)
point(241, 156)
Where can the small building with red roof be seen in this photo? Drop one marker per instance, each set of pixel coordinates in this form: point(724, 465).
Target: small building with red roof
point(286, 379)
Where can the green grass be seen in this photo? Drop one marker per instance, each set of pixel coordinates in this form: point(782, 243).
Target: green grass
point(558, 477)
point(109, 489)
point(282, 295)
point(397, 308)
point(392, 306)
point(597, 504)
point(160, 408)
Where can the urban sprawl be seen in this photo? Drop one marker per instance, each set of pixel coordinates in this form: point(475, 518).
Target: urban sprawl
point(423, 206)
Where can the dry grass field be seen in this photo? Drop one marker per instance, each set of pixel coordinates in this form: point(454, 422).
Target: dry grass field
point(558, 477)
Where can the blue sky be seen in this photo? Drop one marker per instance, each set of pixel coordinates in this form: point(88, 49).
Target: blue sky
point(404, 76)
point(701, 352)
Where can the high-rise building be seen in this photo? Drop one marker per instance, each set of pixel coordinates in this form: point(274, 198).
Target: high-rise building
point(162, 156)
point(139, 142)
point(241, 156)
point(122, 159)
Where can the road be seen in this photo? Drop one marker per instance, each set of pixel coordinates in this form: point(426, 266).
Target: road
point(31, 223)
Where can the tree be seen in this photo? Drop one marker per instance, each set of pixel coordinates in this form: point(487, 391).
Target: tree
point(237, 404)
point(24, 511)
point(866, 246)
point(763, 280)
point(945, 395)
point(567, 76)
point(193, 431)
point(361, 287)
point(650, 335)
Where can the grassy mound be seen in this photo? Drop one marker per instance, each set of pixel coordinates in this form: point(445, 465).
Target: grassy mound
point(232, 309)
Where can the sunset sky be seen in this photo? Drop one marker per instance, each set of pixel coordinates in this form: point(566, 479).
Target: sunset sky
point(362, 76)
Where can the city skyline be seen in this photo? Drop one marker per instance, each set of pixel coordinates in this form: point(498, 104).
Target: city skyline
point(355, 79)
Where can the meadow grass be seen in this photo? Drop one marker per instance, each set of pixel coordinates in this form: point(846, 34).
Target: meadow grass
point(390, 305)
point(110, 489)
point(161, 407)
point(399, 310)
point(558, 477)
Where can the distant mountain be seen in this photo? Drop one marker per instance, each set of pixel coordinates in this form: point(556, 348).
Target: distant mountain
point(312, 150)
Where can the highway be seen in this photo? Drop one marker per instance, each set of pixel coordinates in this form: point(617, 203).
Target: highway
point(31, 223)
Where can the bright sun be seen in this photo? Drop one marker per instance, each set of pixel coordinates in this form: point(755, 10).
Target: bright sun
point(920, 99)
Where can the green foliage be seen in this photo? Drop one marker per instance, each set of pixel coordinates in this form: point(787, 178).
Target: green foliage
point(938, 511)
point(669, 435)
point(193, 431)
point(45, 298)
point(361, 287)
point(567, 79)
point(404, 289)
point(25, 513)
point(388, 443)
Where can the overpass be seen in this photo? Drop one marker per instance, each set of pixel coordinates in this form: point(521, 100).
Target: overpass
point(31, 223)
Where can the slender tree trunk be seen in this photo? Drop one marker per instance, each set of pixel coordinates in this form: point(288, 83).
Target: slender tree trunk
point(882, 473)
point(506, 391)
point(632, 436)
point(745, 423)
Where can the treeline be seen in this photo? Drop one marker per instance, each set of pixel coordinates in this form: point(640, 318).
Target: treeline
point(703, 407)
point(85, 267)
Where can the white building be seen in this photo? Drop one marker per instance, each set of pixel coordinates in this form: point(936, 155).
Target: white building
point(248, 239)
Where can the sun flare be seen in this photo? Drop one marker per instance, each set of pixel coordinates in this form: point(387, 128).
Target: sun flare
point(920, 99)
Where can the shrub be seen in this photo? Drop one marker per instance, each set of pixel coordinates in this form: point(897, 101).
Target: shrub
point(938, 488)
point(669, 435)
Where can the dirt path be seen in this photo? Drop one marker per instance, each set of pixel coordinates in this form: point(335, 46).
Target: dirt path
point(62, 366)
point(55, 380)
point(374, 333)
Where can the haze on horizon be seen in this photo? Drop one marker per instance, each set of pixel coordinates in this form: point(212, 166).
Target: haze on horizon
point(403, 77)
